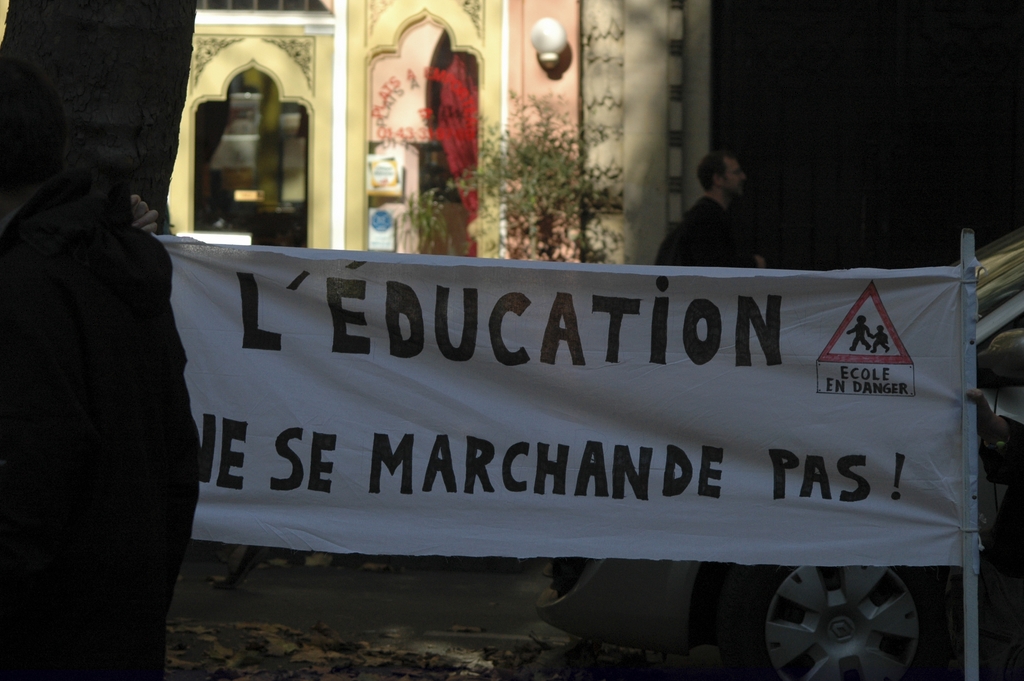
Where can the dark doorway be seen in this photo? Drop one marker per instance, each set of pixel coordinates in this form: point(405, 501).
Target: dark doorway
point(251, 160)
point(872, 131)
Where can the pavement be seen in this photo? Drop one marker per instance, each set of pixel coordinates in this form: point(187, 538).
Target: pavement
point(375, 618)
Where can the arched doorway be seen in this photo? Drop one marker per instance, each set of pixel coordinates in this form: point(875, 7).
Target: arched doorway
point(251, 160)
point(423, 128)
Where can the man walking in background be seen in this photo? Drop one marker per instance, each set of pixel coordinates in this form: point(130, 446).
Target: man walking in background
point(98, 450)
point(705, 237)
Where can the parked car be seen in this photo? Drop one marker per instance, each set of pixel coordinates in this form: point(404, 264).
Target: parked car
point(881, 621)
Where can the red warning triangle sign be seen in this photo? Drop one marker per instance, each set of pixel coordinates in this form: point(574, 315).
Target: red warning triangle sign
point(866, 335)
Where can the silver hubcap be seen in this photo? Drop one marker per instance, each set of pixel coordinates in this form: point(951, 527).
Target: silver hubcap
point(842, 629)
point(842, 624)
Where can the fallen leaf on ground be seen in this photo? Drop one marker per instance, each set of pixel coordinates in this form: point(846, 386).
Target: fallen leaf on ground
point(189, 629)
point(279, 647)
point(319, 560)
point(458, 628)
point(377, 567)
point(326, 674)
point(278, 562)
point(171, 662)
point(469, 660)
point(322, 636)
point(314, 655)
point(368, 677)
point(245, 658)
point(219, 652)
point(267, 628)
point(323, 628)
point(326, 642)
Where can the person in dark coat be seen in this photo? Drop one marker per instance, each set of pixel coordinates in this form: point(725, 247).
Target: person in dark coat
point(98, 449)
point(1001, 581)
point(705, 237)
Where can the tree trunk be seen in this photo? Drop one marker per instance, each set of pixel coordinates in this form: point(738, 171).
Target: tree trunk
point(121, 67)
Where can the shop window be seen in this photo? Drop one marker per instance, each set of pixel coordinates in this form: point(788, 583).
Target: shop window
point(423, 134)
point(251, 160)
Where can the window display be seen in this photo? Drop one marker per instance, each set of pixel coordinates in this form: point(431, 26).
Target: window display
point(423, 134)
point(251, 160)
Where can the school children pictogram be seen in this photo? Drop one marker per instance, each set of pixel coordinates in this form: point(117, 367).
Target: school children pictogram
point(865, 355)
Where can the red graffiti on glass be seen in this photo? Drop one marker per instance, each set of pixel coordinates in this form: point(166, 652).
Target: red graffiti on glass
point(388, 94)
point(391, 91)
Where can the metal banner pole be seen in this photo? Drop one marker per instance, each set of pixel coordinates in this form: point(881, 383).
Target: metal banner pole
point(969, 521)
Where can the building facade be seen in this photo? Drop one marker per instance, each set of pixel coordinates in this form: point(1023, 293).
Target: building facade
point(318, 123)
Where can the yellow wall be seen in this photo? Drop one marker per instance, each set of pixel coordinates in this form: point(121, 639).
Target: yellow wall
point(301, 67)
point(375, 28)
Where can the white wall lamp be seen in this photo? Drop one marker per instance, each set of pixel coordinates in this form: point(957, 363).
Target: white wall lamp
point(550, 40)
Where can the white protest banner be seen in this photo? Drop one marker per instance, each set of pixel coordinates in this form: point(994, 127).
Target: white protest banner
point(376, 403)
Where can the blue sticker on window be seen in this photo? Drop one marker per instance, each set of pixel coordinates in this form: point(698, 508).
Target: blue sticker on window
point(381, 221)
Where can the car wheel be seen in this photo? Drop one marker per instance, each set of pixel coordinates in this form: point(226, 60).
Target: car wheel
point(866, 623)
